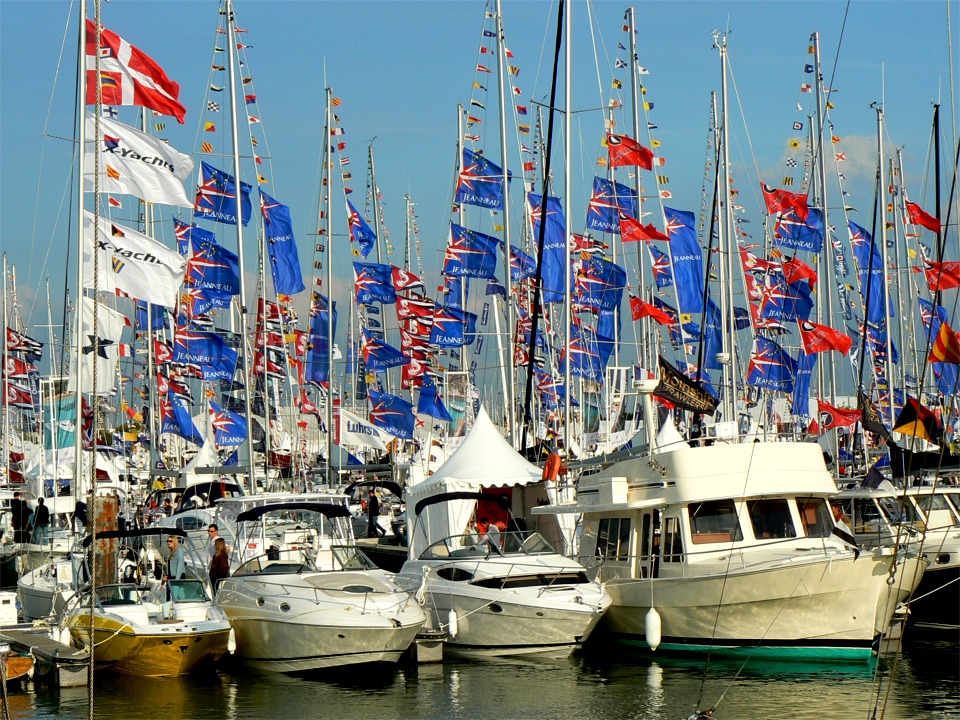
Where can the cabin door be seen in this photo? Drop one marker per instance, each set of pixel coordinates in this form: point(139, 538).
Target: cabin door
point(646, 557)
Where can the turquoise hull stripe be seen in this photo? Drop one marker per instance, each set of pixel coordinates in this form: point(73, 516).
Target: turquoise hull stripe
point(816, 653)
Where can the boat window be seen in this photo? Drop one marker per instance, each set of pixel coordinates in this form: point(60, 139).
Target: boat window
point(816, 517)
point(190, 523)
point(352, 558)
point(932, 503)
point(771, 519)
point(613, 539)
point(188, 591)
point(672, 542)
point(898, 511)
point(954, 499)
point(713, 522)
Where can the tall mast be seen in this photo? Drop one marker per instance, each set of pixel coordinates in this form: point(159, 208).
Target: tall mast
point(508, 281)
point(567, 269)
point(6, 379)
point(326, 174)
point(78, 312)
point(883, 253)
point(231, 65)
point(726, 232)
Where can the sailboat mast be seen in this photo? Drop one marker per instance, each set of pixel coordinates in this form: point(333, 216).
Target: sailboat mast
point(78, 312)
point(235, 137)
point(726, 233)
point(507, 280)
point(567, 269)
point(888, 371)
point(6, 378)
point(646, 350)
point(326, 174)
point(826, 263)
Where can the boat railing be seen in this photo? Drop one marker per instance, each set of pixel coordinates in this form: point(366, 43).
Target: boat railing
point(471, 545)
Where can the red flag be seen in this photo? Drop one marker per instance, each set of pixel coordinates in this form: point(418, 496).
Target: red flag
point(831, 417)
point(625, 150)
point(822, 338)
point(640, 309)
point(942, 276)
point(129, 76)
point(796, 269)
point(404, 279)
point(751, 263)
point(946, 346)
point(778, 200)
point(919, 217)
point(631, 230)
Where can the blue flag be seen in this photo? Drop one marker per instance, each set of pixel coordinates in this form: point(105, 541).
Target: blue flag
point(555, 255)
point(455, 291)
point(660, 264)
point(229, 427)
point(199, 301)
point(945, 374)
point(870, 273)
point(480, 182)
point(195, 346)
point(771, 367)
point(157, 316)
point(430, 403)
point(783, 302)
point(374, 283)
point(216, 197)
point(213, 267)
point(792, 232)
point(281, 245)
point(800, 405)
point(470, 254)
point(318, 341)
point(360, 232)
point(522, 265)
point(224, 367)
point(452, 327)
point(712, 336)
point(608, 199)
point(187, 234)
point(687, 259)
point(600, 284)
point(175, 419)
point(588, 354)
point(393, 414)
point(377, 355)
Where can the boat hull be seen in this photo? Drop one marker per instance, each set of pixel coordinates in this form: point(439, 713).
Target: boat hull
point(937, 598)
point(822, 610)
point(167, 649)
point(496, 622)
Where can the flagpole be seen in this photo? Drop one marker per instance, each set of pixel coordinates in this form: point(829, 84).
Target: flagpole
point(508, 280)
point(238, 188)
point(884, 257)
point(78, 328)
point(567, 269)
point(326, 173)
point(646, 360)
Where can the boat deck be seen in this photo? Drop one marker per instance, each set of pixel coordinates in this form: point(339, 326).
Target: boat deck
point(60, 664)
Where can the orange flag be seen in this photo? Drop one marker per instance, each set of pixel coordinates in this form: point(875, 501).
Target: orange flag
point(946, 346)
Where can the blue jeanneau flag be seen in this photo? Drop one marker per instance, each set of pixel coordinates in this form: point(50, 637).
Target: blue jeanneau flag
point(281, 246)
point(217, 197)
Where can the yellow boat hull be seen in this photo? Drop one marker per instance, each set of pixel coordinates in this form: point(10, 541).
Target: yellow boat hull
point(163, 650)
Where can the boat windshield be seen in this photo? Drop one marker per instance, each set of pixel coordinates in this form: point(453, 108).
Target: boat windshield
point(471, 545)
point(351, 557)
point(188, 591)
point(120, 594)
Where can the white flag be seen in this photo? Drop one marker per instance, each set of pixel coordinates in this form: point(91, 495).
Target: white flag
point(98, 349)
point(132, 263)
point(134, 163)
point(355, 430)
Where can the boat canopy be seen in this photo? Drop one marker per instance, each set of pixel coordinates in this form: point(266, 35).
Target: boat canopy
point(501, 500)
point(135, 533)
point(328, 509)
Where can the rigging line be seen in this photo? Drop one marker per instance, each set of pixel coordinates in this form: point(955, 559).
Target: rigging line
point(833, 74)
point(593, 42)
point(953, 95)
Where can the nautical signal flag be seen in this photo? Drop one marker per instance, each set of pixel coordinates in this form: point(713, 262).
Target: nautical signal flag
point(941, 275)
point(625, 150)
point(919, 217)
point(777, 200)
point(914, 419)
point(822, 338)
point(946, 346)
point(128, 76)
point(832, 417)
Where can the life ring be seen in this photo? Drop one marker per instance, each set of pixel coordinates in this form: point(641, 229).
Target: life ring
point(551, 468)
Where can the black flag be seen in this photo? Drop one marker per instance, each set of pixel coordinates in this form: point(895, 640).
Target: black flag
point(683, 392)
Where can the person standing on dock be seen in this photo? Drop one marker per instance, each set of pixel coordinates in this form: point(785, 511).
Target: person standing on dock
point(373, 515)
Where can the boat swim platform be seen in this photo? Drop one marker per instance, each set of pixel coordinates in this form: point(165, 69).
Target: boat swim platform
point(54, 663)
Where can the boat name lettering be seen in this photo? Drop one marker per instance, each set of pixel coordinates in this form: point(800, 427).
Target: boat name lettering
point(146, 159)
point(128, 254)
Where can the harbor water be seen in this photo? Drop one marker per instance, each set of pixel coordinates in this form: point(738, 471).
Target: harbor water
point(920, 683)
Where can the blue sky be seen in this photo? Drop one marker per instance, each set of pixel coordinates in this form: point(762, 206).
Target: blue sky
point(400, 68)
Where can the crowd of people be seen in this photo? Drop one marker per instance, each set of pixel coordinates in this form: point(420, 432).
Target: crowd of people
point(29, 524)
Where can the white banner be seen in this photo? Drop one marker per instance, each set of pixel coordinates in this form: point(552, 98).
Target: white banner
point(132, 263)
point(98, 349)
point(134, 163)
point(354, 430)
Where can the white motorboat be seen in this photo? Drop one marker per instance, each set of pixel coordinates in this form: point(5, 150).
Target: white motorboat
point(506, 593)
point(308, 599)
point(735, 547)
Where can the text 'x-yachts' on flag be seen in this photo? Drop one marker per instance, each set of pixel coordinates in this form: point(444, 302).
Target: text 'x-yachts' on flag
point(134, 163)
point(130, 262)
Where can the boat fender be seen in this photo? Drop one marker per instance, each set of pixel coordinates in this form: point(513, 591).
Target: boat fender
point(232, 641)
point(65, 636)
point(652, 628)
point(452, 624)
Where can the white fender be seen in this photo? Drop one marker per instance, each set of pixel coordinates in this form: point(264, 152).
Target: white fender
point(652, 628)
point(452, 623)
point(232, 641)
point(65, 637)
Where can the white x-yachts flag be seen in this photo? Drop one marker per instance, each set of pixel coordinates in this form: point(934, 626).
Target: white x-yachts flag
point(134, 163)
point(132, 263)
point(354, 430)
point(99, 347)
